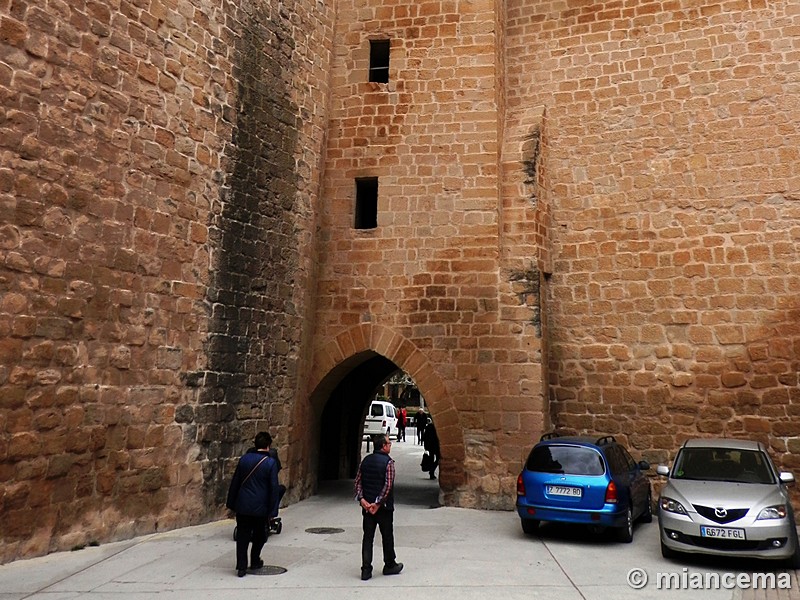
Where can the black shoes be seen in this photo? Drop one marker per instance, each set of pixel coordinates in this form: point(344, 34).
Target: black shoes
point(393, 570)
point(253, 567)
point(366, 573)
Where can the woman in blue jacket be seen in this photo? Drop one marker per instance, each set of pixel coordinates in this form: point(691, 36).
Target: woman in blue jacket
point(253, 496)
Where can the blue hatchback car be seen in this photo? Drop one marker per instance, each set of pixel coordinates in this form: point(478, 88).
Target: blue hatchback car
point(593, 481)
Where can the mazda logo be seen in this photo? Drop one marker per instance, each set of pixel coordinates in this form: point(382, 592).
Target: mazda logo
point(721, 512)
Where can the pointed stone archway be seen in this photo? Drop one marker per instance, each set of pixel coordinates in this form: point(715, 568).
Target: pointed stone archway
point(384, 350)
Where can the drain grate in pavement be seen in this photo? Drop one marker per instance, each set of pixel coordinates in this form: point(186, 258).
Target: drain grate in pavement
point(268, 570)
point(324, 530)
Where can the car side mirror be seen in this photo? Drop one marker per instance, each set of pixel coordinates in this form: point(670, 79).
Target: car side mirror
point(786, 477)
point(644, 465)
point(663, 470)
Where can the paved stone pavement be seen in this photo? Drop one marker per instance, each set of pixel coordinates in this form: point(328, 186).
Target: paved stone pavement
point(449, 553)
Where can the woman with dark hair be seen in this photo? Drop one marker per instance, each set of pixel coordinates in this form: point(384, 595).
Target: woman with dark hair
point(253, 496)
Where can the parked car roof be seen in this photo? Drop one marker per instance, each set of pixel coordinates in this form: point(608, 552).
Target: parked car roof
point(730, 443)
point(578, 439)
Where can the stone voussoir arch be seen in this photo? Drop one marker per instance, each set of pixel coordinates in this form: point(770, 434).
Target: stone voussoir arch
point(405, 354)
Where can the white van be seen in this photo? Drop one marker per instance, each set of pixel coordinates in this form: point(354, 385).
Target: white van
point(381, 418)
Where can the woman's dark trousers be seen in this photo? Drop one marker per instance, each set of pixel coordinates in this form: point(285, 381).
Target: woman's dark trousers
point(249, 529)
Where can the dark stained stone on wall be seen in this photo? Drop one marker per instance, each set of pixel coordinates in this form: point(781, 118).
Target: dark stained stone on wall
point(252, 278)
point(533, 150)
point(527, 285)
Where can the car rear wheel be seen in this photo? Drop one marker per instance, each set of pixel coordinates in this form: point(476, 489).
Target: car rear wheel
point(625, 533)
point(530, 526)
point(647, 514)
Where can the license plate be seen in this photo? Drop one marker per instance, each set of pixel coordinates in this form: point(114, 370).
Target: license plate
point(726, 533)
point(563, 490)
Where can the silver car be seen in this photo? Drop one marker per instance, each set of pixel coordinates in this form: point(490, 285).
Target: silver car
point(726, 497)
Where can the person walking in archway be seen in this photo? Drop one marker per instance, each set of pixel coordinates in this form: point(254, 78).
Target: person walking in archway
point(374, 489)
point(402, 421)
point(430, 442)
point(420, 421)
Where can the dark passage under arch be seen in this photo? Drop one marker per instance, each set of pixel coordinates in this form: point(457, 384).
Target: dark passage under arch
point(342, 417)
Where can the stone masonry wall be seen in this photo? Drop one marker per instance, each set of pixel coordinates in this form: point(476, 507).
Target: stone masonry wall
point(158, 165)
point(587, 218)
point(674, 186)
point(261, 237)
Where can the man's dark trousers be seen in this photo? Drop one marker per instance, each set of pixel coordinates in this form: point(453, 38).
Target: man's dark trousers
point(382, 519)
point(249, 528)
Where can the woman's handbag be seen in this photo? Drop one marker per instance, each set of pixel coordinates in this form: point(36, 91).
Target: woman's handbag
point(427, 462)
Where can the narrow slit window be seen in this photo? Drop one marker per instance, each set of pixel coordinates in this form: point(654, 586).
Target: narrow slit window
point(367, 203)
point(379, 61)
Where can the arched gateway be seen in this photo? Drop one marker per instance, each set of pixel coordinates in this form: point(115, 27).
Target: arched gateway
point(344, 373)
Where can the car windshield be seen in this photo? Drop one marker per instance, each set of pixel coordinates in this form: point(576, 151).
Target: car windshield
point(570, 460)
point(723, 464)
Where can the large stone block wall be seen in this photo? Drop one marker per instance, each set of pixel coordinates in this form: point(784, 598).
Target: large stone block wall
point(158, 167)
point(673, 181)
point(588, 218)
point(262, 241)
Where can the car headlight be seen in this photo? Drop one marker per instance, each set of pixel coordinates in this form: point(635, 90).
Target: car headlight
point(772, 512)
point(670, 505)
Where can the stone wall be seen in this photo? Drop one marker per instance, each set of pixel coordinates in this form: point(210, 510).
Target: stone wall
point(672, 158)
point(262, 231)
point(158, 168)
point(587, 218)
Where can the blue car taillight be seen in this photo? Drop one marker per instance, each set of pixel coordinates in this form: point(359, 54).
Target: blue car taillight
point(520, 486)
point(611, 493)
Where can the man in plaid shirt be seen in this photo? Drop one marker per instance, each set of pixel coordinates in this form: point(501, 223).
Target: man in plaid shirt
point(374, 489)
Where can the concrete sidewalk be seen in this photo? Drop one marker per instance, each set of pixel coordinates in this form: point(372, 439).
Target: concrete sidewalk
point(449, 553)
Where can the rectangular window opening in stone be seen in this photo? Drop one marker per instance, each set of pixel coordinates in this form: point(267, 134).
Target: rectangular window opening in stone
point(366, 203)
point(379, 61)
